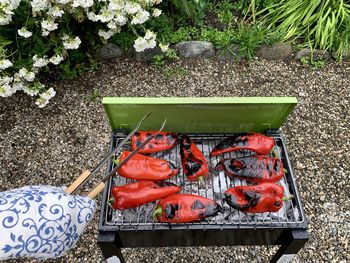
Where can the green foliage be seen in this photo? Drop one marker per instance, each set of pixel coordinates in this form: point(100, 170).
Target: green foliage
point(124, 39)
point(320, 24)
point(173, 72)
point(251, 37)
point(314, 64)
point(95, 96)
point(220, 39)
point(159, 60)
point(187, 11)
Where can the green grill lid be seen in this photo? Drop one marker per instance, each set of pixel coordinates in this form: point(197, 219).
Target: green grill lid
point(198, 115)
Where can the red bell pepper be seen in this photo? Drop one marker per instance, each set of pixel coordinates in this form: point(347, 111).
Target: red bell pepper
point(255, 142)
point(192, 159)
point(161, 142)
point(260, 198)
point(140, 193)
point(184, 208)
point(258, 168)
point(141, 167)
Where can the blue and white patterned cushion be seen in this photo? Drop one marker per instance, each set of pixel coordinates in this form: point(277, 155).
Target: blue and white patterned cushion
point(41, 221)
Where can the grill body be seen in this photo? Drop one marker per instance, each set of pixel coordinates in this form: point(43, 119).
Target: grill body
point(136, 228)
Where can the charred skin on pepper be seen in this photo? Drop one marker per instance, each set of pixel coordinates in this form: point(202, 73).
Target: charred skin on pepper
point(260, 198)
point(257, 168)
point(184, 208)
point(161, 142)
point(141, 167)
point(254, 142)
point(193, 161)
point(140, 193)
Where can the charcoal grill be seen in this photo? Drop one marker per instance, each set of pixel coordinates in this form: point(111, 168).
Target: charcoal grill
point(206, 121)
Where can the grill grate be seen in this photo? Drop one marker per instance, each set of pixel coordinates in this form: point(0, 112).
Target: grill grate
point(289, 216)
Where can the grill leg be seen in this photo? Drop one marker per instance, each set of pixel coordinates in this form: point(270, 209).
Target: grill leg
point(108, 246)
point(292, 242)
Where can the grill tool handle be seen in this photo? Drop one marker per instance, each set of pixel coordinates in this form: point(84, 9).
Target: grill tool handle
point(78, 182)
point(98, 189)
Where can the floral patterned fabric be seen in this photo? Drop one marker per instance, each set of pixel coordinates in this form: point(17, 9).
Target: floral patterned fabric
point(41, 221)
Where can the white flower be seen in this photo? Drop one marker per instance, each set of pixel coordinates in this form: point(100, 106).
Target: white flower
point(27, 75)
point(63, 2)
point(55, 11)
point(163, 47)
point(105, 15)
point(141, 17)
point(5, 63)
point(6, 90)
point(38, 5)
point(71, 43)
point(148, 41)
point(18, 85)
point(41, 102)
point(92, 16)
point(132, 8)
point(83, 3)
point(23, 32)
point(49, 25)
point(39, 62)
point(56, 59)
point(33, 89)
point(120, 20)
point(140, 44)
point(157, 2)
point(5, 19)
point(47, 95)
point(116, 5)
point(65, 37)
point(150, 35)
point(106, 34)
point(157, 12)
point(5, 80)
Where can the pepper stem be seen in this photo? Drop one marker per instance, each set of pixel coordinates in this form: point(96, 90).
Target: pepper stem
point(285, 170)
point(287, 198)
point(111, 201)
point(201, 181)
point(157, 212)
point(116, 161)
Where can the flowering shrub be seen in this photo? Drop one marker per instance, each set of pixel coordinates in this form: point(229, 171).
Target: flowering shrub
point(38, 34)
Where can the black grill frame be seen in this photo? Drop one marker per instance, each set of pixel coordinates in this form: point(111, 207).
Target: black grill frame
point(291, 235)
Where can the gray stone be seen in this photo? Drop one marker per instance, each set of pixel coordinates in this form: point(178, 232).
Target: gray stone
point(346, 55)
point(195, 49)
point(147, 55)
point(316, 54)
point(229, 53)
point(277, 51)
point(109, 51)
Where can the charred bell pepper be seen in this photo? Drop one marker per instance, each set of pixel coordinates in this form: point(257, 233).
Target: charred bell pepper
point(260, 198)
point(184, 208)
point(161, 142)
point(141, 167)
point(258, 168)
point(140, 193)
point(255, 142)
point(192, 159)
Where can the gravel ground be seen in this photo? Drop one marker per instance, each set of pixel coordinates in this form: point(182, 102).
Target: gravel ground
point(54, 144)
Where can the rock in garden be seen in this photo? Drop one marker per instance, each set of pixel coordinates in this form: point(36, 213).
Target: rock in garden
point(316, 54)
point(109, 51)
point(147, 55)
point(229, 53)
point(195, 49)
point(346, 55)
point(277, 51)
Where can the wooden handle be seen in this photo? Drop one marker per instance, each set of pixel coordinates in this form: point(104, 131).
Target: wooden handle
point(98, 189)
point(77, 182)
